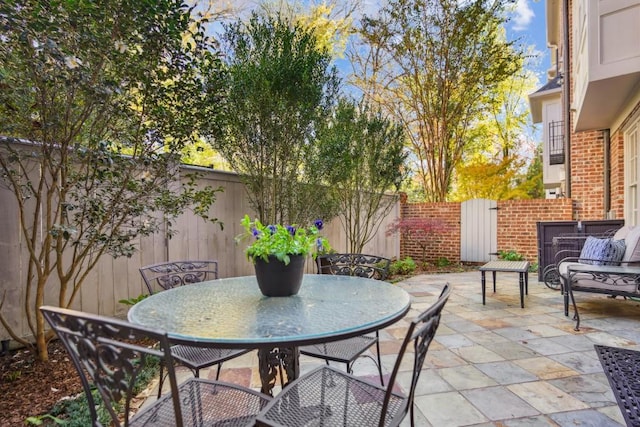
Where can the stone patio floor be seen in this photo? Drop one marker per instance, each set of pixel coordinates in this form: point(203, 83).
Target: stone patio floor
point(498, 364)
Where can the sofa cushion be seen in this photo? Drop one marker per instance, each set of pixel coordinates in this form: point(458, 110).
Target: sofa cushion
point(622, 232)
point(605, 282)
point(632, 240)
point(563, 267)
point(602, 251)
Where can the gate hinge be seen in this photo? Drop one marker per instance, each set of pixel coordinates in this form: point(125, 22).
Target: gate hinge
point(494, 209)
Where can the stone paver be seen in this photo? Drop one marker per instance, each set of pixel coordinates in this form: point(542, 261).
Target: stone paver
point(546, 398)
point(498, 364)
point(448, 410)
point(499, 403)
point(506, 372)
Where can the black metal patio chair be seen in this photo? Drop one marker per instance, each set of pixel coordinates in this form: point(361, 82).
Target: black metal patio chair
point(622, 368)
point(109, 355)
point(349, 350)
point(167, 275)
point(328, 396)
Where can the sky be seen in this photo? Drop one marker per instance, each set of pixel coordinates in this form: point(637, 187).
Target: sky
point(528, 25)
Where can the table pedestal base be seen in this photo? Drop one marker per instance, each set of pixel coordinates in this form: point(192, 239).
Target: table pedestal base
point(274, 359)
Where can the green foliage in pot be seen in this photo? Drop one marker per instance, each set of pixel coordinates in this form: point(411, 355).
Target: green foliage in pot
point(282, 241)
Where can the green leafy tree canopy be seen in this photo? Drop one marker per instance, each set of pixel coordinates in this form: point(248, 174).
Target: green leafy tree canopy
point(434, 65)
point(97, 99)
point(279, 87)
point(361, 158)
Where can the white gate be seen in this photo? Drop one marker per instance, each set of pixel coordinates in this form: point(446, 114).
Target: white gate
point(478, 230)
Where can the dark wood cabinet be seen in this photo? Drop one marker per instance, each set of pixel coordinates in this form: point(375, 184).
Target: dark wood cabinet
point(547, 230)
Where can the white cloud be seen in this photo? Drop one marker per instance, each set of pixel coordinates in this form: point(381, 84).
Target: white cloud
point(523, 14)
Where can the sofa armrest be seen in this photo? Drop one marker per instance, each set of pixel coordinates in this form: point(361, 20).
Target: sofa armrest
point(604, 277)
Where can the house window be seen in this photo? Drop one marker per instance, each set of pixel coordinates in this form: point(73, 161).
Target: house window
point(631, 142)
point(556, 143)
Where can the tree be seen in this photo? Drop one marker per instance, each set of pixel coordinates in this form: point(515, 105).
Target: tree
point(486, 178)
point(201, 153)
point(279, 87)
point(493, 166)
point(330, 21)
point(418, 231)
point(361, 158)
point(499, 179)
point(434, 65)
point(534, 184)
point(83, 83)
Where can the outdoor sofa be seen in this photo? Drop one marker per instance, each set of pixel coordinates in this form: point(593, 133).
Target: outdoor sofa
point(606, 266)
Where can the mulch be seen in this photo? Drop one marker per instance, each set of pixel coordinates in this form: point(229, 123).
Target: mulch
point(29, 387)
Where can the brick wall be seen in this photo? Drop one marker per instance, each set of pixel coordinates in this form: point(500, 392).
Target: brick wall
point(587, 174)
point(516, 226)
point(517, 222)
point(442, 244)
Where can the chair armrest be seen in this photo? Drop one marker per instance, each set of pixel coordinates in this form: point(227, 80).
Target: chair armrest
point(567, 259)
point(565, 253)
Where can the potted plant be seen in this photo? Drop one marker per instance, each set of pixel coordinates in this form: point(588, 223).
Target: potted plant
point(278, 253)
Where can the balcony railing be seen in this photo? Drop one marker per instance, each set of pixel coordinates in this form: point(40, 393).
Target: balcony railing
point(556, 143)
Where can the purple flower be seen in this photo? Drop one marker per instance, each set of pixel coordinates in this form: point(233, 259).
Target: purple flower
point(256, 233)
point(319, 224)
point(272, 229)
point(319, 244)
point(291, 229)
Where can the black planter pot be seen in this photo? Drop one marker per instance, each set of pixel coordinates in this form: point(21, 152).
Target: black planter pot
point(276, 279)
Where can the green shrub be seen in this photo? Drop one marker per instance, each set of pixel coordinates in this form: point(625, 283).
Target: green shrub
point(75, 411)
point(443, 262)
point(40, 420)
point(133, 301)
point(402, 267)
point(510, 255)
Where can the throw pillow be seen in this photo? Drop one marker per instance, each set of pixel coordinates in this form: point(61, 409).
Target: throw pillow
point(602, 251)
point(614, 252)
point(592, 250)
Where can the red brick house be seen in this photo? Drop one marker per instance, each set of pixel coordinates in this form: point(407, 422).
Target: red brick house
point(593, 91)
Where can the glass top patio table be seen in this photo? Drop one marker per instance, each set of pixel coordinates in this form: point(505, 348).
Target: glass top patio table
point(232, 313)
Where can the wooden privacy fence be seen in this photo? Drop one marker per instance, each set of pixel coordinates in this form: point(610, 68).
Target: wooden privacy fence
point(117, 279)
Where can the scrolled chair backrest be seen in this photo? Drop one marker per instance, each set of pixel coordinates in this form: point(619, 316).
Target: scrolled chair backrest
point(351, 264)
point(420, 333)
point(108, 357)
point(168, 275)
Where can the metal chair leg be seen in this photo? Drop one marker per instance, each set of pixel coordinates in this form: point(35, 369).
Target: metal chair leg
point(161, 379)
point(379, 362)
